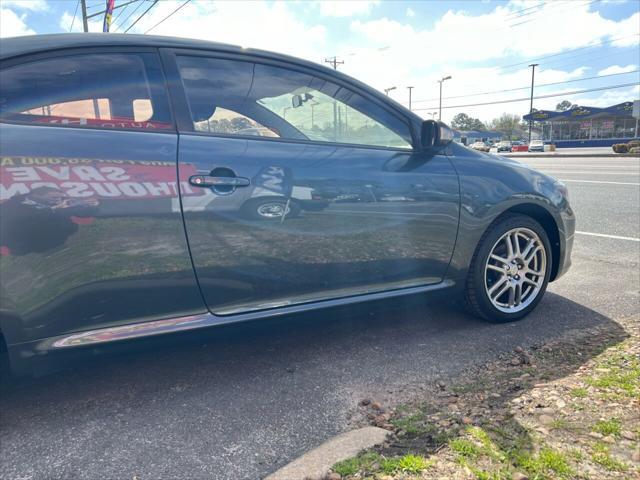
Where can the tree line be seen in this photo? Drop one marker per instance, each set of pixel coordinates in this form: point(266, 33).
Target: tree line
point(511, 125)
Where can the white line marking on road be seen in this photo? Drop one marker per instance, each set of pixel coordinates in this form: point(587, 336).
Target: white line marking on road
point(582, 172)
point(571, 180)
point(615, 237)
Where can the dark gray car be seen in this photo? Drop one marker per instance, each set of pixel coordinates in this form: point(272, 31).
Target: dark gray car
point(153, 185)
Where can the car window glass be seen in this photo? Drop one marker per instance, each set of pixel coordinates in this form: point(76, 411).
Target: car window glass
point(108, 90)
point(227, 121)
point(285, 103)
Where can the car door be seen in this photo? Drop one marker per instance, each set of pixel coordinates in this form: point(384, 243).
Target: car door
point(91, 233)
point(312, 189)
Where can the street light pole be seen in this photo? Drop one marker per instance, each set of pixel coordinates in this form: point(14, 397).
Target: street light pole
point(533, 72)
point(441, 81)
point(410, 88)
point(387, 90)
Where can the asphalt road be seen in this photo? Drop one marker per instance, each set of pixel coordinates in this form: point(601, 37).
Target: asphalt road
point(246, 399)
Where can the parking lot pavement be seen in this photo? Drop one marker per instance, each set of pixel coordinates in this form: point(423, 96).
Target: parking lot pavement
point(244, 400)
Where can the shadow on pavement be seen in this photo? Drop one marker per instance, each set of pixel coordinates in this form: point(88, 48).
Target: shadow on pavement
point(248, 398)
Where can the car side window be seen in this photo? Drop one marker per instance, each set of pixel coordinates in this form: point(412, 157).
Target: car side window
point(97, 90)
point(279, 102)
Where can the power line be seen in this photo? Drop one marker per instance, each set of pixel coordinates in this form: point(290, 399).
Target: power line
point(73, 20)
point(165, 18)
point(140, 3)
point(527, 87)
point(512, 100)
point(122, 11)
point(143, 14)
point(600, 44)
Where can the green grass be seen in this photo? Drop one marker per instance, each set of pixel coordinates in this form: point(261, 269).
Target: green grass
point(363, 462)
point(623, 375)
point(547, 462)
point(602, 457)
point(415, 425)
point(578, 392)
point(612, 426)
point(465, 448)
point(560, 424)
point(405, 464)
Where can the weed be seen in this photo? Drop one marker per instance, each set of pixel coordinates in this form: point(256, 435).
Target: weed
point(407, 464)
point(602, 457)
point(579, 392)
point(351, 466)
point(608, 427)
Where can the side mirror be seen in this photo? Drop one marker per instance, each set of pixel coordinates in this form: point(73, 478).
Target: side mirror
point(435, 134)
point(298, 99)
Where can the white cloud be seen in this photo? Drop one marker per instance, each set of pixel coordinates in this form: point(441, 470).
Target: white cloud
point(346, 8)
point(12, 24)
point(269, 26)
point(410, 12)
point(384, 52)
point(32, 5)
point(95, 24)
point(618, 69)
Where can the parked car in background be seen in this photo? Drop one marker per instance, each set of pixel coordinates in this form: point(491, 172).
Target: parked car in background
point(519, 146)
point(153, 185)
point(503, 146)
point(536, 146)
point(480, 146)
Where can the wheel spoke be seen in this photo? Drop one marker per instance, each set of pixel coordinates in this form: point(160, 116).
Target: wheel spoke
point(497, 258)
point(497, 285)
point(528, 248)
point(518, 293)
point(501, 292)
point(495, 268)
point(532, 254)
point(507, 240)
point(512, 295)
point(529, 281)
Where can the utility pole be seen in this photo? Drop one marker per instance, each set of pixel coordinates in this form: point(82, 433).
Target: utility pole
point(441, 81)
point(410, 88)
point(533, 72)
point(334, 61)
point(85, 22)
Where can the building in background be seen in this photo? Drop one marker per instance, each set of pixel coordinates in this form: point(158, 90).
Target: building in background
point(467, 137)
point(586, 126)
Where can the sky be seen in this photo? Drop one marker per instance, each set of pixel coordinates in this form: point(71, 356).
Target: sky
point(485, 46)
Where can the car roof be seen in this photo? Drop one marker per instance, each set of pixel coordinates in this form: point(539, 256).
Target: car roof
point(16, 46)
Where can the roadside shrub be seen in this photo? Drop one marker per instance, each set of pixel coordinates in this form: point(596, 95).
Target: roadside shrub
point(633, 143)
point(620, 148)
point(635, 150)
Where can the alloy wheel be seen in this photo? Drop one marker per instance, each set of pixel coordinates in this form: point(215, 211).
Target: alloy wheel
point(515, 270)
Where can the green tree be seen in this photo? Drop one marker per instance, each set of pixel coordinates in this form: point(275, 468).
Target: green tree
point(564, 105)
point(462, 121)
point(508, 124)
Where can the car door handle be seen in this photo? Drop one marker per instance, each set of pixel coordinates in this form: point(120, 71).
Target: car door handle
point(209, 181)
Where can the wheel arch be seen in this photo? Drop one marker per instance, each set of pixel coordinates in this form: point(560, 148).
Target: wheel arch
point(544, 218)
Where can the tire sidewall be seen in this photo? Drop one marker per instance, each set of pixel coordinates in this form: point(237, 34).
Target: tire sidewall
point(494, 233)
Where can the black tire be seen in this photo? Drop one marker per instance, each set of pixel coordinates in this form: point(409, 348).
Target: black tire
point(254, 209)
point(477, 299)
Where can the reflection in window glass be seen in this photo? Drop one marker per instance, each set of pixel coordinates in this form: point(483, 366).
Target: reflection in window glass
point(242, 98)
point(323, 118)
point(94, 90)
point(234, 123)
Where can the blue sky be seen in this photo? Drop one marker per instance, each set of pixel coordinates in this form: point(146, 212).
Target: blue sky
point(484, 45)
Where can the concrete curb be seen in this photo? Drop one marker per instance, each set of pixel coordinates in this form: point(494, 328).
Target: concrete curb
point(571, 155)
point(315, 464)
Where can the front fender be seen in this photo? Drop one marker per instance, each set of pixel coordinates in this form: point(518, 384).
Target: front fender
point(490, 187)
